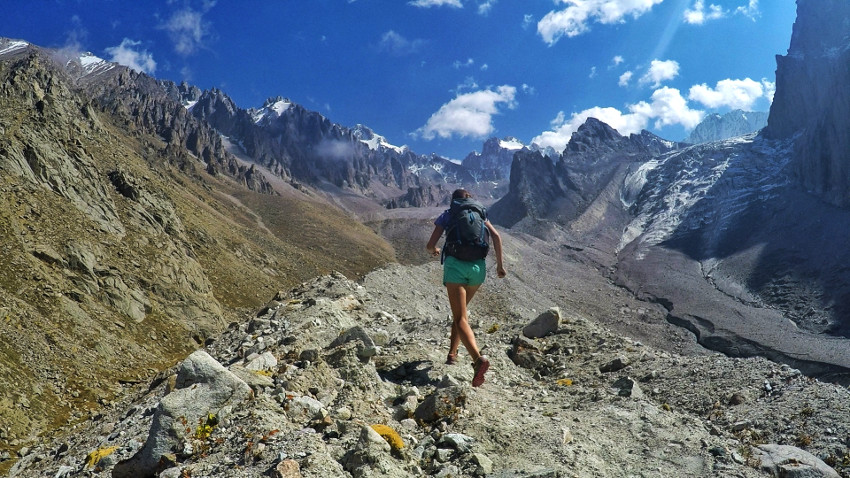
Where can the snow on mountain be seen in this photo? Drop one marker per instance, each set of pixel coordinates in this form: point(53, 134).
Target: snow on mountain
point(93, 65)
point(375, 141)
point(701, 187)
point(8, 46)
point(272, 109)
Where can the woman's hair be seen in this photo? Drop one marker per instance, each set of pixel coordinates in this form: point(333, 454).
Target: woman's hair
point(460, 194)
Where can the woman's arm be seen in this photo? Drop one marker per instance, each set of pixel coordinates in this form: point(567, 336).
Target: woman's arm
point(431, 247)
point(497, 246)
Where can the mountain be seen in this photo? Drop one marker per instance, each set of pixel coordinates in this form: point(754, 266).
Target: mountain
point(812, 100)
point(368, 394)
point(715, 127)
point(130, 235)
point(595, 157)
point(732, 237)
point(303, 146)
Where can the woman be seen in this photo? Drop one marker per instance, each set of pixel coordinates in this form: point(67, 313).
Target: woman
point(462, 279)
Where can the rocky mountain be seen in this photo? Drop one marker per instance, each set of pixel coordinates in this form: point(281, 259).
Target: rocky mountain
point(303, 146)
point(130, 243)
point(129, 236)
point(493, 163)
point(812, 100)
point(715, 127)
point(726, 235)
point(337, 378)
point(596, 156)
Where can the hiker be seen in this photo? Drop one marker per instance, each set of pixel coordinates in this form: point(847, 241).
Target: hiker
point(467, 242)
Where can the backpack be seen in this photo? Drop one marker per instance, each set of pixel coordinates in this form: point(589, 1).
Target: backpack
point(466, 233)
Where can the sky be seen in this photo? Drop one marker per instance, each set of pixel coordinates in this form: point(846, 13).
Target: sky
point(442, 76)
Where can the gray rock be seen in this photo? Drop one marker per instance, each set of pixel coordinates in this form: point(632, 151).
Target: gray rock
point(266, 361)
point(485, 464)
point(618, 363)
point(628, 387)
point(785, 461)
point(203, 387)
point(354, 333)
point(443, 403)
point(545, 324)
point(457, 441)
point(371, 457)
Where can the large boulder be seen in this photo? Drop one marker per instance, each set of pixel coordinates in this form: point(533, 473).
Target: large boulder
point(787, 461)
point(203, 387)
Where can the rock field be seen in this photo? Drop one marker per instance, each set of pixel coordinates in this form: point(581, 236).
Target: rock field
point(337, 378)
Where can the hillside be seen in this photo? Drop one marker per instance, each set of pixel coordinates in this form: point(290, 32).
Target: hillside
point(121, 251)
point(337, 378)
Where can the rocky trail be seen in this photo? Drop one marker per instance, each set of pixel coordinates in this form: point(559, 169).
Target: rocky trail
point(337, 378)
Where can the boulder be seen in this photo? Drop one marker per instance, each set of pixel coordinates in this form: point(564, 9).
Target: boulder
point(545, 324)
point(203, 387)
point(785, 461)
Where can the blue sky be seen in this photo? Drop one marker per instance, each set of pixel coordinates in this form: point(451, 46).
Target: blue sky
point(443, 75)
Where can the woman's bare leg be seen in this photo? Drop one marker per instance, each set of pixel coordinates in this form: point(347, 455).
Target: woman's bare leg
point(459, 297)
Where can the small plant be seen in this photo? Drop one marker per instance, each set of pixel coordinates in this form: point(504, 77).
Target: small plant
point(206, 426)
point(493, 329)
point(807, 411)
point(564, 382)
point(803, 440)
point(391, 436)
point(93, 458)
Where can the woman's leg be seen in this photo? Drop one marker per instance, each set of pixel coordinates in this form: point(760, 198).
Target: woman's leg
point(459, 297)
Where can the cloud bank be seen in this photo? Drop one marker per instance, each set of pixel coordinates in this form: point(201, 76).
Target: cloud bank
point(469, 114)
point(128, 55)
point(579, 14)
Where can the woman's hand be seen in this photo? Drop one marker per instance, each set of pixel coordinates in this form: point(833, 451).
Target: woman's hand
point(435, 251)
point(501, 272)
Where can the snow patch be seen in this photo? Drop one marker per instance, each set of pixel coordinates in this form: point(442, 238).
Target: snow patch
point(271, 111)
point(699, 187)
point(12, 46)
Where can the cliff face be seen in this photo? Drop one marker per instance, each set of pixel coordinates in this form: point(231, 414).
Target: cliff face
point(734, 123)
point(596, 156)
point(813, 98)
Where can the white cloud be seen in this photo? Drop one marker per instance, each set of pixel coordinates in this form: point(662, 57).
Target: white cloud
point(660, 71)
point(592, 73)
point(575, 19)
point(126, 54)
point(485, 6)
point(667, 107)
point(617, 61)
point(697, 15)
point(527, 21)
point(187, 28)
point(751, 10)
point(625, 78)
point(463, 64)
point(769, 89)
point(398, 45)
point(436, 3)
point(528, 89)
point(735, 94)
point(469, 115)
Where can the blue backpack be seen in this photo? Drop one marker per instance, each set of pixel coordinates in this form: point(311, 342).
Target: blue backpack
point(466, 233)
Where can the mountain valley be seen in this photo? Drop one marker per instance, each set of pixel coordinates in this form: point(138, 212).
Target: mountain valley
point(160, 242)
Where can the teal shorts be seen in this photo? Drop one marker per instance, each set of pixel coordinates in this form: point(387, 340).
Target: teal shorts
point(456, 271)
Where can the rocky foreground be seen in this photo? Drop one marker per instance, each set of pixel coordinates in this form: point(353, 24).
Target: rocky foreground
point(337, 378)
